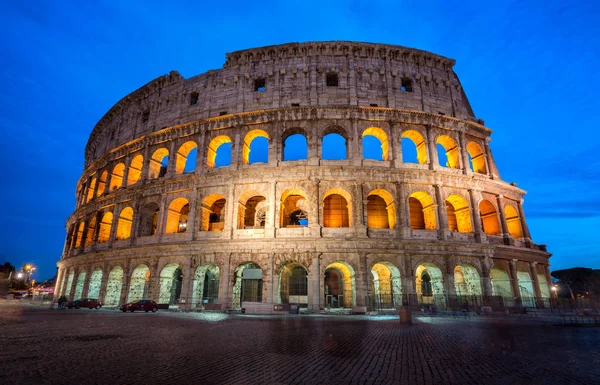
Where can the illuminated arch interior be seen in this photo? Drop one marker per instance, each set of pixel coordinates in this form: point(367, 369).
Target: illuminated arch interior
point(213, 147)
point(459, 214)
point(206, 285)
point(382, 136)
point(429, 281)
point(213, 212)
point(79, 235)
point(184, 162)
point(90, 191)
point(501, 284)
point(248, 139)
point(102, 183)
point(420, 145)
point(513, 222)
point(293, 284)
point(386, 284)
point(94, 285)
point(148, 219)
point(339, 285)
point(489, 218)
point(477, 158)
point(124, 223)
point(422, 211)
point(177, 216)
point(466, 280)
point(114, 286)
point(451, 151)
point(116, 178)
point(139, 283)
point(104, 229)
point(294, 209)
point(79, 285)
point(158, 163)
point(170, 277)
point(381, 210)
point(337, 208)
point(135, 170)
point(90, 232)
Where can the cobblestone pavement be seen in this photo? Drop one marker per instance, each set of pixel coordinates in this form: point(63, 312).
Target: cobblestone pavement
point(88, 346)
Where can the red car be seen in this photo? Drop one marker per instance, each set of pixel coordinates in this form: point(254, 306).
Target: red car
point(143, 304)
point(90, 303)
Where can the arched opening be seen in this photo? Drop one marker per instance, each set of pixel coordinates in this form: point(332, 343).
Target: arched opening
point(294, 209)
point(124, 223)
point(489, 218)
point(90, 193)
point(102, 183)
point(79, 235)
point(158, 163)
point(476, 158)
point(248, 285)
point(295, 147)
point(90, 232)
point(252, 211)
point(213, 213)
point(139, 283)
point(501, 284)
point(256, 147)
point(375, 144)
point(429, 284)
point(148, 219)
point(116, 178)
point(381, 210)
point(66, 289)
point(414, 148)
point(293, 284)
point(544, 289)
point(135, 170)
point(79, 285)
point(114, 286)
point(448, 153)
point(526, 286)
point(459, 214)
point(171, 278)
point(385, 286)
point(177, 216)
point(337, 208)
point(466, 280)
point(422, 211)
point(513, 222)
point(94, 285)
point(185, 159)
point(339, 285)
point(219, 152)
point(206, 285)
point(334, 147)
point(104, 229)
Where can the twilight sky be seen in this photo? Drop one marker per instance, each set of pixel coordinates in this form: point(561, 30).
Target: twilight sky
point(531, 70)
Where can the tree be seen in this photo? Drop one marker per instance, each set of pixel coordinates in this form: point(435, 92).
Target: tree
point(580, 281)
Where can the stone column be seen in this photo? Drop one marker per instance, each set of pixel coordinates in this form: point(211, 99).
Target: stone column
point(224, 284)
point(59, 283)
point(488, 291)
point(443, 229)
point(313, 144)
point(360, 283)
point(314, 280)
point(229, 213)
point(463, 151)
point(126, 171)
point(505, 234)
point(449, 278)
point(553, 294)
point(270, 214)
point(200, 154)
point(71, 290)
point(402, 224)
point(536, 285)
point(235, 151)
point(146, 164)
point(514, 278)
point(360, 211)
point(432, 152)
point(163, 214)
point(355, 155)
point(185, 298)
point(104, 282)
point(195, 213)
point(526, 234)
point(172, 160)
point(125, 285)
point(273, 281)
point(314, 220)
point(477, 227)
point(86, 282)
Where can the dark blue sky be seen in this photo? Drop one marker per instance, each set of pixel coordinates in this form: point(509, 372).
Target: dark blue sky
point(529, 68)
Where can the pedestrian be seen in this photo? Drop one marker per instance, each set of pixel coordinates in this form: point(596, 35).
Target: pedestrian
point(62, 300)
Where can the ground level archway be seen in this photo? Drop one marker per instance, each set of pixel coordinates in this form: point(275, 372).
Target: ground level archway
point(206, 285)
point(339, 285)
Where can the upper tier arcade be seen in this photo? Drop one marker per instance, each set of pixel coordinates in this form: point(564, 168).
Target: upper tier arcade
point(336, 73)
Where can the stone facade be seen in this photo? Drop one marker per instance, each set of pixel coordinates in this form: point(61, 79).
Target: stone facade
point(371, 229)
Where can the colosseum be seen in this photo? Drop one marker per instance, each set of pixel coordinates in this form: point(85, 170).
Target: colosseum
point(334, 176)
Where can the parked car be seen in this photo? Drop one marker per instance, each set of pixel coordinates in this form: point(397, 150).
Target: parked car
point(143, 304)
point(90, 303)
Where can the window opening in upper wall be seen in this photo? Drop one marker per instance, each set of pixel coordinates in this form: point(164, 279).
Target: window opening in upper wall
point(259, 85)
point(295, 104)
point(194, 98)
point(222, 113)
point(406, 85)
point(145, 116)
point(373, 105)
point(332, 80)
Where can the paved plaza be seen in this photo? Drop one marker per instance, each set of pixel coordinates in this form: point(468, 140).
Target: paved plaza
point(41, 346)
